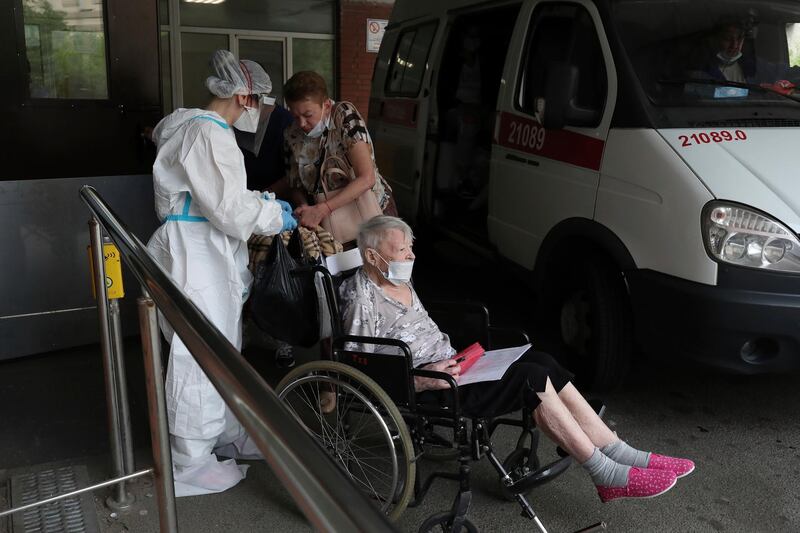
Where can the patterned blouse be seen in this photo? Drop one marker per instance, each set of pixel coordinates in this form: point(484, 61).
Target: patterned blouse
point(345, 128)
point(367, 311)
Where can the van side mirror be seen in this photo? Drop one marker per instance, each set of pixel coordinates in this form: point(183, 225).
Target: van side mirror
point(560, 90)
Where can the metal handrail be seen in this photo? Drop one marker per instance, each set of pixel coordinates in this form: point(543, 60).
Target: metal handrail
point(329, 499)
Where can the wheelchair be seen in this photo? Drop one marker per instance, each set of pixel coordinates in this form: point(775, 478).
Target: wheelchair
point(363, 409)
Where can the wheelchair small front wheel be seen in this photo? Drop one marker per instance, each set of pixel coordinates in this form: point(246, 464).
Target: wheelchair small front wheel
point(360, 427)
point(443, 523)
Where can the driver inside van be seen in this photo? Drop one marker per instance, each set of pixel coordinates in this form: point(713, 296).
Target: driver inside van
point(725, 59)
point(731, 56)
point(728, 63)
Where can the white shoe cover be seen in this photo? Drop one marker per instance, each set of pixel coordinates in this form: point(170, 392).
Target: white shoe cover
point(208, 477)
point(235, 442)
point(197, 471)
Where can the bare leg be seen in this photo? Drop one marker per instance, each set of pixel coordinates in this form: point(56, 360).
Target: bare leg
point(591, 424)
point(553, 417)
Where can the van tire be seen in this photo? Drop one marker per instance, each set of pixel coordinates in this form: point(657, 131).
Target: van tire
point(594, 321)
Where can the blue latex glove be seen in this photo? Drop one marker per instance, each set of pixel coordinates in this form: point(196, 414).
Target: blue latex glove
point(285, 206)
point(289, 222)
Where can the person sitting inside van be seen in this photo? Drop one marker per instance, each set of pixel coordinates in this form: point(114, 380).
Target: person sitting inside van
point(731, 58)
point(728, 62)
point(379, 301)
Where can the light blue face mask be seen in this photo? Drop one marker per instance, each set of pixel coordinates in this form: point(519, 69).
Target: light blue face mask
point(318, 128)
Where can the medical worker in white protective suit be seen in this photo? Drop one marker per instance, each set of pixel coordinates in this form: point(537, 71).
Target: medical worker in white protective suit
point(208, 214)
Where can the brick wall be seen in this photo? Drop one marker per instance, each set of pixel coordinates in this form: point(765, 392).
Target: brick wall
point(355, 63)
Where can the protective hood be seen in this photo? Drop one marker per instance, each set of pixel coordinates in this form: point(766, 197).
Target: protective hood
point(172, 123)
point(758, 167)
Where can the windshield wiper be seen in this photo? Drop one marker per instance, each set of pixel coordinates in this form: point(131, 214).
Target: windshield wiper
point(726, 83)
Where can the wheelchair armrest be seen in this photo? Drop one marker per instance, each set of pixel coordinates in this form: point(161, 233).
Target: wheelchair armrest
point(453, 390)
point(457, 306)
point(339, 342)
point(512, 336)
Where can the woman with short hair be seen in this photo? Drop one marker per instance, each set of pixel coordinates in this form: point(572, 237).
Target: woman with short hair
point(207, 214)
point(323, 128)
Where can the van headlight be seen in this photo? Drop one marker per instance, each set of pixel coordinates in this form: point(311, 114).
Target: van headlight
point(743, 236)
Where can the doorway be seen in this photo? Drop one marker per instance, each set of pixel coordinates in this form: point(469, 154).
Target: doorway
point(466, 95)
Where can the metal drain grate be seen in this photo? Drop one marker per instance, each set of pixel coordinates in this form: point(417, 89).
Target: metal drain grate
point(70, 515)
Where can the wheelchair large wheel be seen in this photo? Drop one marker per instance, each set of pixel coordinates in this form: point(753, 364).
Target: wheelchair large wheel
point(362, 429)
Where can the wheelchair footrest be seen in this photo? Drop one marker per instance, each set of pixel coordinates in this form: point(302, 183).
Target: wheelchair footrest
point(540, 476)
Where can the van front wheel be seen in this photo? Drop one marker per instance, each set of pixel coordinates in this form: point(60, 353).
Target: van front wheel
point(595, 323)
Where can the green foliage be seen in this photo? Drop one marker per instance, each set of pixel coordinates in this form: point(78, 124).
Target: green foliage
point(793, 38)
point(42, 14)
point(65, 61)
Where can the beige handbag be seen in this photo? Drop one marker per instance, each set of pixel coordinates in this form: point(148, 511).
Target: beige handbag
point(343, 222)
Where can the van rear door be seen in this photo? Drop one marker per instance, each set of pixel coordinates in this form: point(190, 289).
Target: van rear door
point(540, 177)
point(399, 108)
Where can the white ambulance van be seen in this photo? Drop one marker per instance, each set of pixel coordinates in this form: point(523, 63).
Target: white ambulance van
point(638, 160)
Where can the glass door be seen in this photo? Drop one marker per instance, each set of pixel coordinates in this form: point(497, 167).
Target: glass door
point(270, 53)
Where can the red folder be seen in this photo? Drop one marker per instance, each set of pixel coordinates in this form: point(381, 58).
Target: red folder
point(469, 355)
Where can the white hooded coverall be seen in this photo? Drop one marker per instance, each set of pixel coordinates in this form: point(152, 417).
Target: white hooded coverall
point(207, 213)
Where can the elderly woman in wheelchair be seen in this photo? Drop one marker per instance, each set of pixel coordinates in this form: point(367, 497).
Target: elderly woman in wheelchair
point(380, 308)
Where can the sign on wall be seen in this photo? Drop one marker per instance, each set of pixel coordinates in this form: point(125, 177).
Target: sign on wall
point(375, 28)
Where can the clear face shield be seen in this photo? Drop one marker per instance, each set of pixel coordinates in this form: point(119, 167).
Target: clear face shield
point(252, 141)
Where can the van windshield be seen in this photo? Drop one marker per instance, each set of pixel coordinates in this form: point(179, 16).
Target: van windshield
point(724, 61)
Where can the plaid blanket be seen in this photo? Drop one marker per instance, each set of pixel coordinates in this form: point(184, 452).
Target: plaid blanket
point(315, 242)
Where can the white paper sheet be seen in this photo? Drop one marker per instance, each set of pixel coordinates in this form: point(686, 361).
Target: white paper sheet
point(492, 365)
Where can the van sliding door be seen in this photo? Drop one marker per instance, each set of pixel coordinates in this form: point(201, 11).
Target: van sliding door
point(467, 81)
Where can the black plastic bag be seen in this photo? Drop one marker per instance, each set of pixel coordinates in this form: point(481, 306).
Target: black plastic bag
point(295, 247)
point(284, 304)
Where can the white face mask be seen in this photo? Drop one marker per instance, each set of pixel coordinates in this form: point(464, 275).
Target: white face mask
point(399, 271)
point(728, 61)
point(248, 120)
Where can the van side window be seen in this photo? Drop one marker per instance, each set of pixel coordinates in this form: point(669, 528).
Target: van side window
point(409, 61)
point(562, 33)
